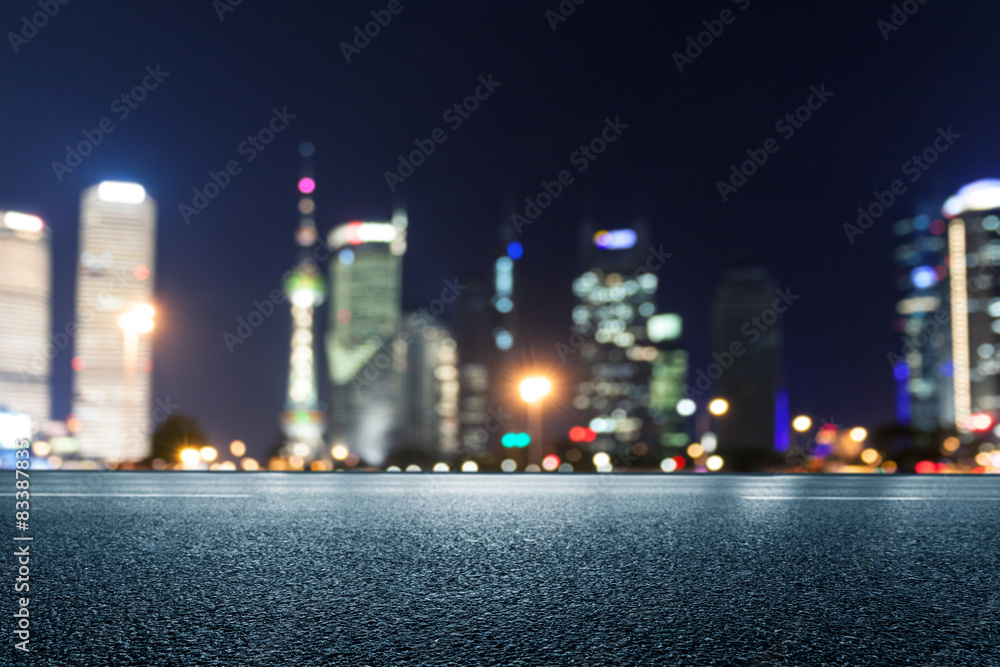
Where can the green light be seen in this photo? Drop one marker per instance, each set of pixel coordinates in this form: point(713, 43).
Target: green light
point(515, 440)
point(302, 417)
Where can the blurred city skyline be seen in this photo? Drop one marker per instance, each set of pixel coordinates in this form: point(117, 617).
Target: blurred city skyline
point(553, 97)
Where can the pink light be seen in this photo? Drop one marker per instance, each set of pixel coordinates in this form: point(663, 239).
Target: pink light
point(979, 422)
point(307, 186)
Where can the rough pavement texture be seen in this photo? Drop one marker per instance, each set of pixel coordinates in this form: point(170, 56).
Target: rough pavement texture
point(404, 569)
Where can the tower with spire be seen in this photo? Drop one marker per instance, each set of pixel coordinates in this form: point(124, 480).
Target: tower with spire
point(304, 420)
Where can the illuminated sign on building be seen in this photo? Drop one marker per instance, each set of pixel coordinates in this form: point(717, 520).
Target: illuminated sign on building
point(618, 239)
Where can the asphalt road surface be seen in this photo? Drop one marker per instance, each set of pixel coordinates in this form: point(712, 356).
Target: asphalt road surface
point(474, 569)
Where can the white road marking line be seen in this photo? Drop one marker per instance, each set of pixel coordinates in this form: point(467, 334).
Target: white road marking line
point(140, 495)
point(865, 498)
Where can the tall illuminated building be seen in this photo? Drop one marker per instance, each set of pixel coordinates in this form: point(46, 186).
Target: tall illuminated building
point(25, 326)
point(364, 353)
point(476, 351)
point(633, 366)
point(922, 364)
point(112, 379)
point(429, 405)
point(303, 421)
point(974, 286)
point(506, 299)
point(756, 425)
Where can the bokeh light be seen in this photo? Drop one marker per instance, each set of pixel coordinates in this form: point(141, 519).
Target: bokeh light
point(802, 423)
point(534, 389)
point(718, 407)
point(871, 457)
point(601, 459)
point(189, 456)
point(307, 186)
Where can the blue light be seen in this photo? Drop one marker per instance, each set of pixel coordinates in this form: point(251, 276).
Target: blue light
point(503, 339)
point(346, 257)
point(781, 421)
point(515, 250)
point(923, 277)
point(948, 369)
point(901, 372)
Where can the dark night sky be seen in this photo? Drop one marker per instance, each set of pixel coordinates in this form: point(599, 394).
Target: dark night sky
point(942, 68)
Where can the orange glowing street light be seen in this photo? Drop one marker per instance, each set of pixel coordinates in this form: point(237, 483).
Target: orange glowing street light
point(138, 320)
point(533, 389)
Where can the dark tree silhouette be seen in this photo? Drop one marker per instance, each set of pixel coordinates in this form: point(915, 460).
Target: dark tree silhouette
point(178, 431)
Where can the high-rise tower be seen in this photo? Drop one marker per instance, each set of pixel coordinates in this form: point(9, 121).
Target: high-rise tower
point(112, 381)
point(26, 304)
point(747, 311)
point(364, 352)
point(303, 420)
point(634, 369)
point(973, 216)
point(922, 364)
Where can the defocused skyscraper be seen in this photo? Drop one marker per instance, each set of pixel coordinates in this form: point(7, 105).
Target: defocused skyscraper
point(364, 352)
point(476, 354)
point(974, 264)
point(26, 321)
point(506, 297)
point(922, 364)
point(429, 405)
point(748, 310)
point(303, 422)
point(633, 367)
point(112, 380)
